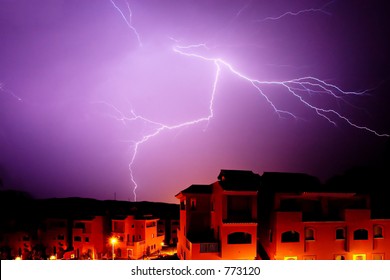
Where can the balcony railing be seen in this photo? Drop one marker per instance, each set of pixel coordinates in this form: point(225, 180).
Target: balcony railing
point(209, 247)
point(135, 243)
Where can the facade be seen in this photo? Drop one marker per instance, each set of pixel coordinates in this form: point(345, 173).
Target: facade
point(136, 237)
point(53, 235)
point(326, 226)
point(88, 237)
point(279, 216)
point(219, 221)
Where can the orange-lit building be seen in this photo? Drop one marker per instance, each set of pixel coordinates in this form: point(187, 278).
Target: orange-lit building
point(88, 237)
point(325, 226)
point(279, 216)
point(137, 237)
point(219, 221)
point(54, 236)
point(21, 243)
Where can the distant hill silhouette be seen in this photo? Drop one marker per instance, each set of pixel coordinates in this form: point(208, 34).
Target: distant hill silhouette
point(25, 211)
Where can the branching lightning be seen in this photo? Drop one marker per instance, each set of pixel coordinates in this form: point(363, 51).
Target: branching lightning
point(128, 20)
point(297, 13)
point(297, 88)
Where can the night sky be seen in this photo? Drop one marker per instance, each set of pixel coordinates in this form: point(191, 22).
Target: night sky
point(184, 88)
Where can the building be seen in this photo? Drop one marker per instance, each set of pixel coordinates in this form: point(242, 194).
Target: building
point(219, 221)
point(175, 226)
point(88, 237)
point(54, 237)
point(279, 216)
point(136, 237)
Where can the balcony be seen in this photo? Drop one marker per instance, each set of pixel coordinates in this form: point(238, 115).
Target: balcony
point(202, 247)
point(209, 247)
point(135, 243)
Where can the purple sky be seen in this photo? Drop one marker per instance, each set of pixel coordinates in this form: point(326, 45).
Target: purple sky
point(74, 73)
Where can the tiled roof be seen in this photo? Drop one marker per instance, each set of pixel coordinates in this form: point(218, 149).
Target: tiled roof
point(198, 189)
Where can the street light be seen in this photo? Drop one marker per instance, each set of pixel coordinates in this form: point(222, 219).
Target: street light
point(113, 240)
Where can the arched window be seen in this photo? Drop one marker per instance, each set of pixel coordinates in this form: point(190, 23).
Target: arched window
point(378, 231)
point(239, 238)
point(309, 234)
point(360, 234)
point(290, 236)
point(340, 234)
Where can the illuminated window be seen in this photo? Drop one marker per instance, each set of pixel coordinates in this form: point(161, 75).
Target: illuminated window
point(291, 258)
point(378, 231)
point(340, 234)
point(360, 234)
point(309, 258)
point(290, 236)
point(309, 234)
point(378, 257)
point(193, 203)
point(339, 257)
point(359, 257)
point(239, 238)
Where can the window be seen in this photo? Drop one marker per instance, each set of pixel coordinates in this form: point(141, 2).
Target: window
point(270, 235)
point(60, 237)
point(309, 258)
point(309, 234)
point(378, 257)
point(290, 258)
point(86, 239)
point(360, 234)
point(79, 225)
point(182, 205)
point(152, 235)
point(239, 238)
point(359, 257)
point(339, 257)
point(193, 203)
point(378, 231)
point(290, 236)
point(340, 234)
point(77, 238)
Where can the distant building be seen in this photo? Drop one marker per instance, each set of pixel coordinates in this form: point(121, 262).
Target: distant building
point(53, 235)
point(88, 237)
point(175, 226)
point(137, 237)
point(219, 221)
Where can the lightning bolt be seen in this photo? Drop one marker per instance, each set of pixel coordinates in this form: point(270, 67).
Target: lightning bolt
point(160, 127)
point(298, 88)
point(5, 90)
point(289, 13)
point(128, 20)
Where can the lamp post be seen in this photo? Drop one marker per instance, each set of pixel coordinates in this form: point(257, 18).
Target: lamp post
point(113, 240)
